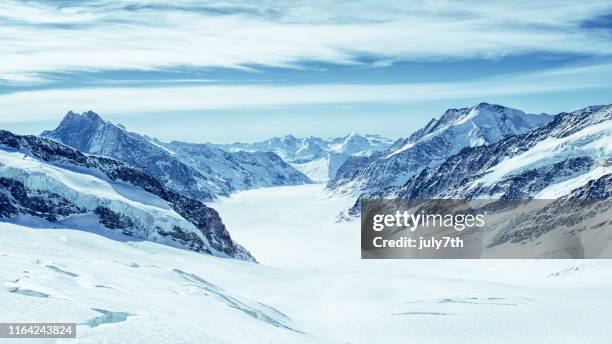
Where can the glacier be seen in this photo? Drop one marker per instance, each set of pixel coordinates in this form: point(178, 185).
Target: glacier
point(310, 285)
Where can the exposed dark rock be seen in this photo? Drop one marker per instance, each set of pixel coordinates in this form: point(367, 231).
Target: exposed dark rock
point(113, 220)
point(16, 199)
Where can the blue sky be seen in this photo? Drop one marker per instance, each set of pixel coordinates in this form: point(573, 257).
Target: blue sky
point(220, 71)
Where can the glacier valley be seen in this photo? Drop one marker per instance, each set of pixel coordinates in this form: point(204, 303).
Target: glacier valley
point(108, 229)
point(310, 285)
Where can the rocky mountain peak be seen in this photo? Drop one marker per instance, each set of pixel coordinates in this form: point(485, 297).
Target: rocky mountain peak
point(481, 124)
point(201, 171)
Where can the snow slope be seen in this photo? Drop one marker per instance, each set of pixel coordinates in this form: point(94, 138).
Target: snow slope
point(317, 170)
point(311, 286)
point(594, 141)
point(323, 169)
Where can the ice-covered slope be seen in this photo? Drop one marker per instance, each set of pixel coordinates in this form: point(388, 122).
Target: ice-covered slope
point(316, 157)
point(482, 124)
point(143, 292)
point(45, 183)
point(198, 170)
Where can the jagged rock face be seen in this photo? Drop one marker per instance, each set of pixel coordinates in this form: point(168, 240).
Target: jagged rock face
point(351, 169)
point(75, 131)
point(585, 208)
point(45, 179)
point(600, 189)
point(113, 220)
point(91, 134)
point(16, 199)
point(198, 171)
point(482, 124)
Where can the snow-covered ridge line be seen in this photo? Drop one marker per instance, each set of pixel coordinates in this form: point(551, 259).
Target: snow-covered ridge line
point(548, 162)
point(46, 179)
point(295, 149)
point(482, 124)
point(200, 171)
point(577, 142)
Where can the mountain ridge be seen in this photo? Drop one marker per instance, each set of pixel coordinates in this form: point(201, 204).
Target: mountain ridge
point(547, 162)
point(45, 179)
point(201, 171)
point(429, 146)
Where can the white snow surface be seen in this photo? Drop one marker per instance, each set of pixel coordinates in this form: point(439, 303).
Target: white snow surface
point(88, 189)
point(322, 169)
point(311, 286)
point(594, 141)
point(317, 170)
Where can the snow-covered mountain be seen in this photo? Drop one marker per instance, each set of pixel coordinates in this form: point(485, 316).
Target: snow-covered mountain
point(45, 183)
point(200, 171)
point(546, 163)
point(561, 173)
point(482, 124)
point(549, 162)
point(316, 157)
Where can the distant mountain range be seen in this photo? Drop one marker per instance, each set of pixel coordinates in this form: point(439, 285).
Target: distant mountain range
point(316, 157)
point(201, 171)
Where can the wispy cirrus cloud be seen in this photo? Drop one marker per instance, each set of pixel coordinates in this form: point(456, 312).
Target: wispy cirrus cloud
point(50, 104)
point(41, 37)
